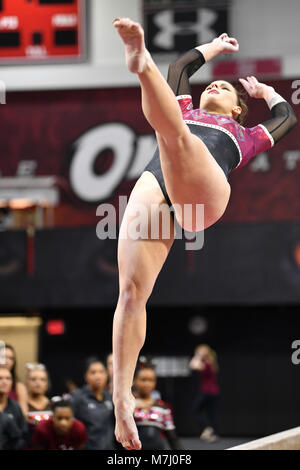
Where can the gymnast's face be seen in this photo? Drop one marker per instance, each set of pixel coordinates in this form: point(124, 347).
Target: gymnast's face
point(220, 97)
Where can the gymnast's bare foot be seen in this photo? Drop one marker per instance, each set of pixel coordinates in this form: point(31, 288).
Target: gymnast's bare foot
point(126, 431)
point(132, 34)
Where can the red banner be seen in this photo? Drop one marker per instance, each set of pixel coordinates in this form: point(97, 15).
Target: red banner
point(247, 67)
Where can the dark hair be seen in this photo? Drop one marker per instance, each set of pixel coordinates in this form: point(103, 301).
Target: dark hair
point(241, 98)
point(144, 363)
point(13, 370)
point(61, 402)
point(92, 360)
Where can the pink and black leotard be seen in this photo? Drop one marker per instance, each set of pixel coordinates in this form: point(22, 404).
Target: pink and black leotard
point(231, 144)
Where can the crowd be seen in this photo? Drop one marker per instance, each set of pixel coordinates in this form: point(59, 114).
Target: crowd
point(83, 418)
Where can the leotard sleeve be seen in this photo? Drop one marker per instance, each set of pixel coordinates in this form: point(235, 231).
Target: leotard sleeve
point(283, 120)
point(262, 137)
point(182, 69)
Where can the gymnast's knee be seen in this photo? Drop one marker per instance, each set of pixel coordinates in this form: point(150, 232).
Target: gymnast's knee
point(133, 295)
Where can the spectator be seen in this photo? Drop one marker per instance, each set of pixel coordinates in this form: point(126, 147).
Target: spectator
point(71, 385)
point(18, 391)
point(39, 405)
point(12, 409)
point(153, 417)
point(93, 406)
point(147, 361)
point(9, 433)
point(37, 382)
point(205, 362)
point(61, 431)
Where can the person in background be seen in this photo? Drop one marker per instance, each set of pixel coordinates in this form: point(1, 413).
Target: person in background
point(147, 361)
point(61, 431)
point(70, 385)
point(9, 432)
point(39, 405)
point(18, 391)
point(13, 410)
point(153, 417)
point(37, 382)
point(205, 362)
point(110, 372)
point(93, 406)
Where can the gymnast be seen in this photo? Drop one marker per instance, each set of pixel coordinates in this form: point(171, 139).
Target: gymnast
point(197, 149)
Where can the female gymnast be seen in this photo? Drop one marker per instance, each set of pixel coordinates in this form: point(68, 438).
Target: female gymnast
point(154, 418)
point(197, 148)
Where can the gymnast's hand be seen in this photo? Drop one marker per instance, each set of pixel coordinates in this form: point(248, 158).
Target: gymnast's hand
point(254, 88)
point(225, 44)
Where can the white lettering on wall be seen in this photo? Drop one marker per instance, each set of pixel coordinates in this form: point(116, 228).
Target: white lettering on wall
point(86, 184)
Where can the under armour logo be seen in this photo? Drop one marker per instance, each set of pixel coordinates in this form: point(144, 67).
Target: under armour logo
point(168, 29)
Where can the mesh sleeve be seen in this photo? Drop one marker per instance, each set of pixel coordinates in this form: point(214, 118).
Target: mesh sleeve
point(283, 120)
point(182, 69)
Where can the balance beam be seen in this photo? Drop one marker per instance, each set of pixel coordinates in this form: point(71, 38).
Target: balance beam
point(286, 440)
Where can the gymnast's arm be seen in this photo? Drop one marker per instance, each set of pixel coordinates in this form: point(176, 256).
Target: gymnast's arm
point(283, 116)
point(182, 69)
point(185, 66)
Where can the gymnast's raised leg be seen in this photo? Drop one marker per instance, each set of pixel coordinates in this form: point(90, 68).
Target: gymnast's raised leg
point(185, 160)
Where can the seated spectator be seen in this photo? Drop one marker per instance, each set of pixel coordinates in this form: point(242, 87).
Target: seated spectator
point(93, 406)
point(12, 409)
point(39, 405)
point(61, 431)
point(153, 417)
point(18, 391)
